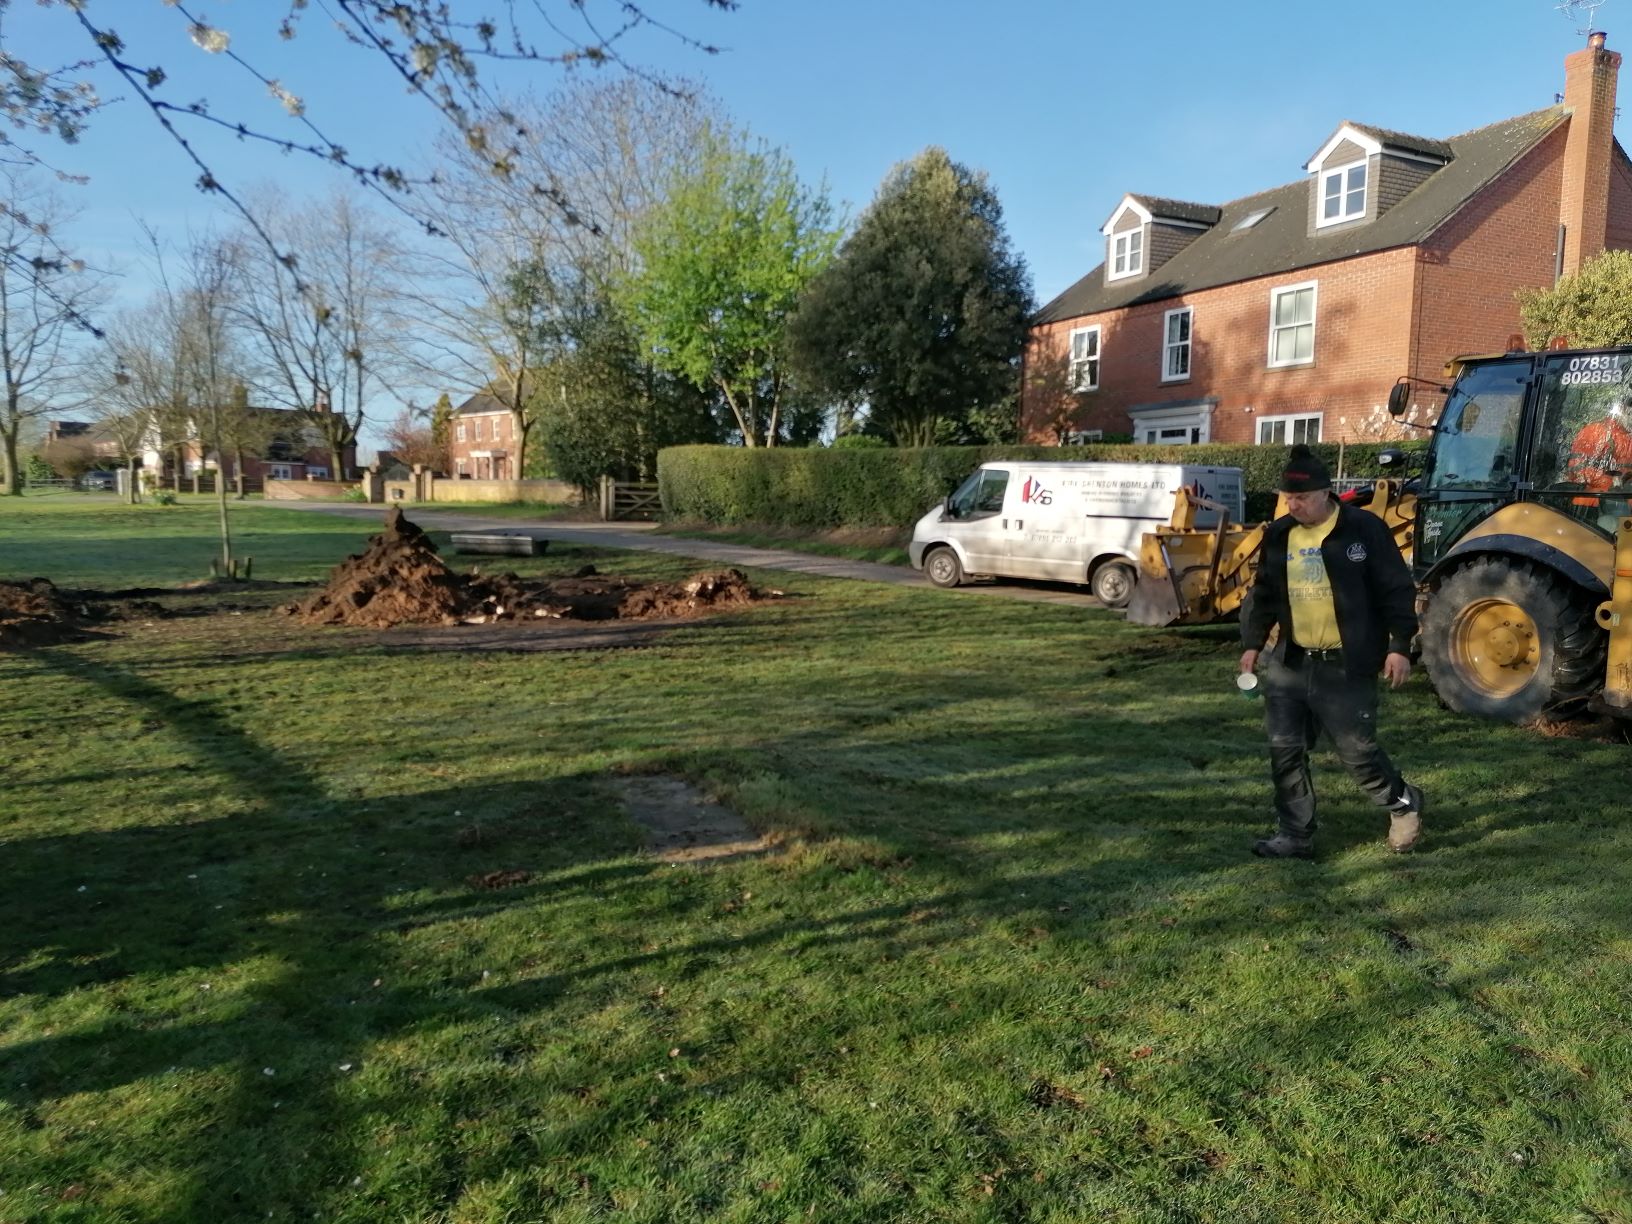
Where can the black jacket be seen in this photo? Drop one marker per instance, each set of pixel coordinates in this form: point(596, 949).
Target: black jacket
point(1372, 592)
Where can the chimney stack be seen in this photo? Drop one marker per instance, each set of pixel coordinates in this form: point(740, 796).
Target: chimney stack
point(1589, 95)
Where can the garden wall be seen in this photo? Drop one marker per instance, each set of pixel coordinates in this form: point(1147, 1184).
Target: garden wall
point(307, 490)
point(555, 491)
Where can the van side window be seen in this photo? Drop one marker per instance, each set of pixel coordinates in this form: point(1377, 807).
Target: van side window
point(980, 495)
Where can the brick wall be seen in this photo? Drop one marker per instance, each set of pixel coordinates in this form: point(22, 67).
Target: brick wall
point(497, 432)
point(1504, 239)
point(1362, 343)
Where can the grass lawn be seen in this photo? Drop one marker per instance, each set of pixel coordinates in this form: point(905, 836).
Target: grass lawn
point(884, 545)
point(1012, 962)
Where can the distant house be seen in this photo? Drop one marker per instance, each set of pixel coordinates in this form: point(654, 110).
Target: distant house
point(91, 435)
point(484, 440)
point(392, 466)
point(1286, 316)
point(296, 451)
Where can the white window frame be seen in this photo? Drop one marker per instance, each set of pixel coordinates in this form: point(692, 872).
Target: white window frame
point(280, 471)
point(1090, 363)
point(1344, 191)
point(1275, 295)
point(459, 431)
point(1194, 421)
point(318, 472)
point(1129, 247)
point(1289, 435)
point(1171, 347)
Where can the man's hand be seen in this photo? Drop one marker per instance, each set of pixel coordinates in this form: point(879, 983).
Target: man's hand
point(1396, 668)
point(1249, 660)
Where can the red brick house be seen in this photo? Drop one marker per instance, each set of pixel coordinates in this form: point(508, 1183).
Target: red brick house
point(483, 446)
point(1287, 315)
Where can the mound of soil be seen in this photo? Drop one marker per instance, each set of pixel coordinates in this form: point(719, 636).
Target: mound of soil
point(397, 580)
point(35, 613)
point(400, 580)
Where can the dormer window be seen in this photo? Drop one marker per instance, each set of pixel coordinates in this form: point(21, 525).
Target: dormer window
point(1128, 253)
point(1343, 194)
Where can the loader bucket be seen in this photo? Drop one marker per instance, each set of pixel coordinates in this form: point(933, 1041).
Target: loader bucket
point(1154, 602)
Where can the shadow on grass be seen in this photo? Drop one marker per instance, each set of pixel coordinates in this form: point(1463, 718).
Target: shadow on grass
point(294, 906)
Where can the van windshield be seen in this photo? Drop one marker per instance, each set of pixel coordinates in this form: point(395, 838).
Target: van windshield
point(980, 495)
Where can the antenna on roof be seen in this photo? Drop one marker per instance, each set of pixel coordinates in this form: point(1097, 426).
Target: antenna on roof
point(1582, 10)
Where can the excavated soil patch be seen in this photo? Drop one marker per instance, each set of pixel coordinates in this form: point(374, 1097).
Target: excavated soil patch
point(36, 613)
point(685, 826)
point(400, 580)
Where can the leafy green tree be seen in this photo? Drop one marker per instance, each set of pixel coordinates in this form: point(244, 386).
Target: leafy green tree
point(442, 432)
point(604, 409)
point(923, 313)
point(722, 260)
point(1590, 309)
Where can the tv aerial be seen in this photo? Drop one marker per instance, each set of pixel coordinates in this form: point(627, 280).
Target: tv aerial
point(1585, 11)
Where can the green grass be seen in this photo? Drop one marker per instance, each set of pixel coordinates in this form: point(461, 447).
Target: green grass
point(883, 545)
point(1013, 962)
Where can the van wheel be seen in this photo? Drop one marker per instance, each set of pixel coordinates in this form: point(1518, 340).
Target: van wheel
point(1504, 639)
point(1113, 584)
point(943, 567)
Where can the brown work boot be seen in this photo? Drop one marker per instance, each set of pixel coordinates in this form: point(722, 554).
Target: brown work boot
point(1405, 821)
point(1284, 845)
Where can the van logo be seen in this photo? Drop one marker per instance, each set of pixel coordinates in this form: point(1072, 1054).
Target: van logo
point(1032, 491)
point(1357, 552)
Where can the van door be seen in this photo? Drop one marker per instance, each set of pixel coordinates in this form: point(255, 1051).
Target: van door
point(982, 529)
point(1046, 538)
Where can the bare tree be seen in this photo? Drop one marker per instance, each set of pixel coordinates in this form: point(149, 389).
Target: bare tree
point(411, 437)
point(501, 295)
point(318, 326)
point(41, 298)
point(437, 50)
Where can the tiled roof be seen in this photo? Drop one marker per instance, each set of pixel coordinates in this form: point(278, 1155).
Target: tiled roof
point(1180, 210)
point(1281, 242)
point(1425, 145)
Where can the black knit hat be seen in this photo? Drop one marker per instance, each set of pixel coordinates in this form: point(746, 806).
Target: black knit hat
point(1305, 472)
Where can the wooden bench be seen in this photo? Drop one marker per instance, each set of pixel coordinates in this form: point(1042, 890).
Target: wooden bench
point(504, 543)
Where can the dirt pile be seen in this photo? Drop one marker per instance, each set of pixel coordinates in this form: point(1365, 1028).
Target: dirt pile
point(400, 580)
point(36, 613)
point(397, 580)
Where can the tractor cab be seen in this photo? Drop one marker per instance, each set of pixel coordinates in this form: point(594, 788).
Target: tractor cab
point(1526, 484)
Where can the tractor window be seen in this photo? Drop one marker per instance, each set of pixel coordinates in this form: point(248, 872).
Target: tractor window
point(1584, 440)
point(980, 495)
point(1478, 434)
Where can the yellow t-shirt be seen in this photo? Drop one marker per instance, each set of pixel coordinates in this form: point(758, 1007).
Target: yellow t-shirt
point(1314, 619)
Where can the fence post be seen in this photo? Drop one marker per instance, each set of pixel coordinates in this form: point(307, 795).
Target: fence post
point(195, 482)
point(608, 496)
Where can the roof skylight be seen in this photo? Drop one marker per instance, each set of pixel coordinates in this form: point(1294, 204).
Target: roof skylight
point(1251, 219)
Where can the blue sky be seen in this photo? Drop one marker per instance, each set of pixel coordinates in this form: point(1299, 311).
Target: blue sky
point(1066, 104)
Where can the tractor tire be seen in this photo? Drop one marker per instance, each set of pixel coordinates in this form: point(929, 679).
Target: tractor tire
point(1505, 639)
point(1113, 584)
point(942, 567)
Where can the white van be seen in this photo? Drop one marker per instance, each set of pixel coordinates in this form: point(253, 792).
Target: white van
point(1067, 522)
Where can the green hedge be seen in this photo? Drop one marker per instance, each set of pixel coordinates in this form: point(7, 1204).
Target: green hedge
point(889, 487)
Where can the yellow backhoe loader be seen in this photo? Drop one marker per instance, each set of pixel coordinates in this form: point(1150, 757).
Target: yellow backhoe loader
point(1519, 533)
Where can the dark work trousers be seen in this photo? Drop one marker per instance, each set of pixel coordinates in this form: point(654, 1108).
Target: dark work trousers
point(1300, 704)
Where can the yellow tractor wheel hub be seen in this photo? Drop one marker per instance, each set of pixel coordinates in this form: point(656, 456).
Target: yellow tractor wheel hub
point(1495, 645)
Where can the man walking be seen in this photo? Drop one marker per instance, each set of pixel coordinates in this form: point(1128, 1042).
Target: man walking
point(1332, 578)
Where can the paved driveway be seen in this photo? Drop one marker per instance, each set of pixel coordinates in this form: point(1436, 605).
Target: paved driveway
point(643, 536)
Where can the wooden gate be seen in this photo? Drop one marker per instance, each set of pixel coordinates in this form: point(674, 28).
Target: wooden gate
point(629, 499)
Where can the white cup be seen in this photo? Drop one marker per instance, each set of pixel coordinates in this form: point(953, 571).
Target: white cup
point(1247, 682)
